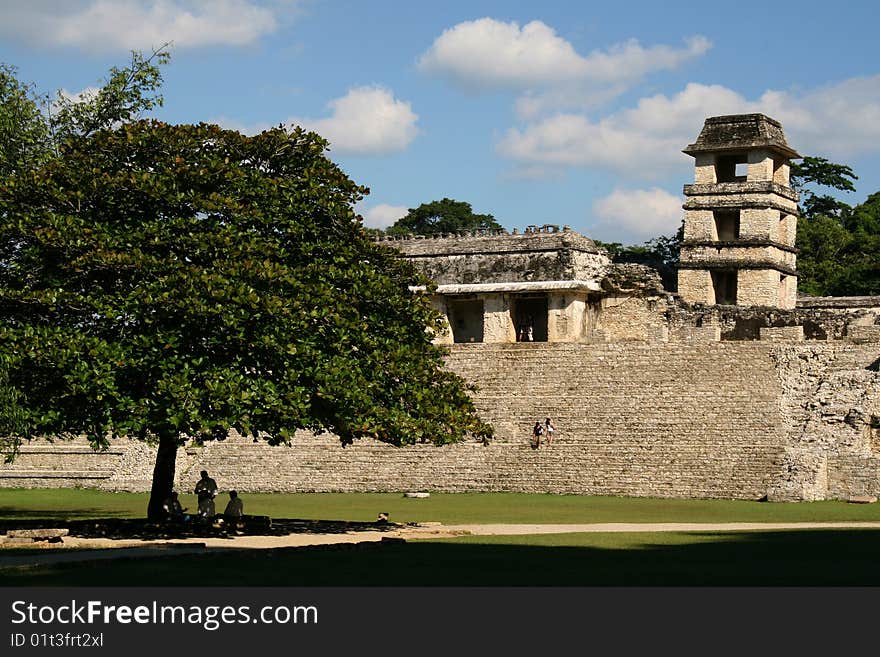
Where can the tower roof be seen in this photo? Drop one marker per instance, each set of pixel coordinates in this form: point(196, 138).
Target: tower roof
point(737, 132)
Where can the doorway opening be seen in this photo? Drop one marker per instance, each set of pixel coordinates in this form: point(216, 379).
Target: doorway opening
point(530, 318)
point(466, 319)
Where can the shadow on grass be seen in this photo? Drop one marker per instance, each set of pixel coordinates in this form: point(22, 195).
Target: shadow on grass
point(10, 516)
point(142, 529)
point(775, 558)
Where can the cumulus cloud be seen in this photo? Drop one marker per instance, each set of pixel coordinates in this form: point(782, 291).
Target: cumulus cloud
point(110, 25)
point(488, 54)
point(638, 213)
point(383, 215)
point(367, 120)
point(645, 141)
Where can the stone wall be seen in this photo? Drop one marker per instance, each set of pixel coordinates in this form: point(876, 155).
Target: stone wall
point(822, 318)
point(831, 450)
point(504, 258)
point(689, 419)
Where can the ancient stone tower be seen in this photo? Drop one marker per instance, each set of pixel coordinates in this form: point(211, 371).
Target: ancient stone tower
point(740, 216)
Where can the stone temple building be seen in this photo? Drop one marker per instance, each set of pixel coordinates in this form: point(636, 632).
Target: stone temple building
point(552, 285)
point(730, 387)
point(541, 285)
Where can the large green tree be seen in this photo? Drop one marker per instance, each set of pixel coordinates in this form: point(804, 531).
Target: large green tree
point(817, 172)
point(861, 255)
point(175, 282)
point(444, 216)
point(825, 242)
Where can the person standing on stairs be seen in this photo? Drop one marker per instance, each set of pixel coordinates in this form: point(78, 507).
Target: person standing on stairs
point(549, 428)
point(537, 431)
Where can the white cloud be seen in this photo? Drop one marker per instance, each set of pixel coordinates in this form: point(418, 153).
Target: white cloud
point(573, 140)
point(85, 95)
point(383, 215)
point(488, 54)
point(839, 120)
point(367, 120)
point(111, 25)
point(637, 213)
point(645, 141)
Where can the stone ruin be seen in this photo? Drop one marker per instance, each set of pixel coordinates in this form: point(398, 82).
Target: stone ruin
point(729, 387)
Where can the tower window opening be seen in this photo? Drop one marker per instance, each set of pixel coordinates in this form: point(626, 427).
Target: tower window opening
point(726, 225)
point(731, 168)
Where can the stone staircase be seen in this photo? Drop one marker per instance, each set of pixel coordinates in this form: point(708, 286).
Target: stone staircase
point(665, 420)
point(632, 419)
point(61, 463)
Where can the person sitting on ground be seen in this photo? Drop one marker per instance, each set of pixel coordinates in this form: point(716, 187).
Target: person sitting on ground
point(206, 489)
point(234, 510)
point(174, 512)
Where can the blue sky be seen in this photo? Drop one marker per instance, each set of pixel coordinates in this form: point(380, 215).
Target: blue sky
point(554, 112)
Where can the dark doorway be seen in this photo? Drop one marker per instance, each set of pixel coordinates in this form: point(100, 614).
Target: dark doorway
point(530, 318)
point(724, 283)
point(466, 319)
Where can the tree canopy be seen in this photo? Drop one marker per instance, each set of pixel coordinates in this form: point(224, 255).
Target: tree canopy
point(817, 171)
point(173, 282)
point(444, 216)
point(34, 125)
point(661, 253)
point(839, 244)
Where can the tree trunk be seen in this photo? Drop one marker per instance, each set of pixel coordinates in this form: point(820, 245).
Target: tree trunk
point(163, 475)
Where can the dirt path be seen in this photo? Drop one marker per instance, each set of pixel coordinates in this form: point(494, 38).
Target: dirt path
point(92, 549)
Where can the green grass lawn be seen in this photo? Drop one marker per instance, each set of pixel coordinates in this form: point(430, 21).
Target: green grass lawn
point(764, 558)
point(769, 558)
point(61, 504)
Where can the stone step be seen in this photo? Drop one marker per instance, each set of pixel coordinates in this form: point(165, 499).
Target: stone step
point(7, 472)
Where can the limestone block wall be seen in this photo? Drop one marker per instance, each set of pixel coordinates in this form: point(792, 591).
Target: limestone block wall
point(782, 333)
point(444, 335)
point(758, 223)
point(704, 169)
point(700, 226)
point(667, 432)
point(822, 318)
point(832, 449)
point(760, 165)
point(786, 229)
point(678, 419)
point(627, 318)
point(497, 321)
point(696, 286)
point(758, 287)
